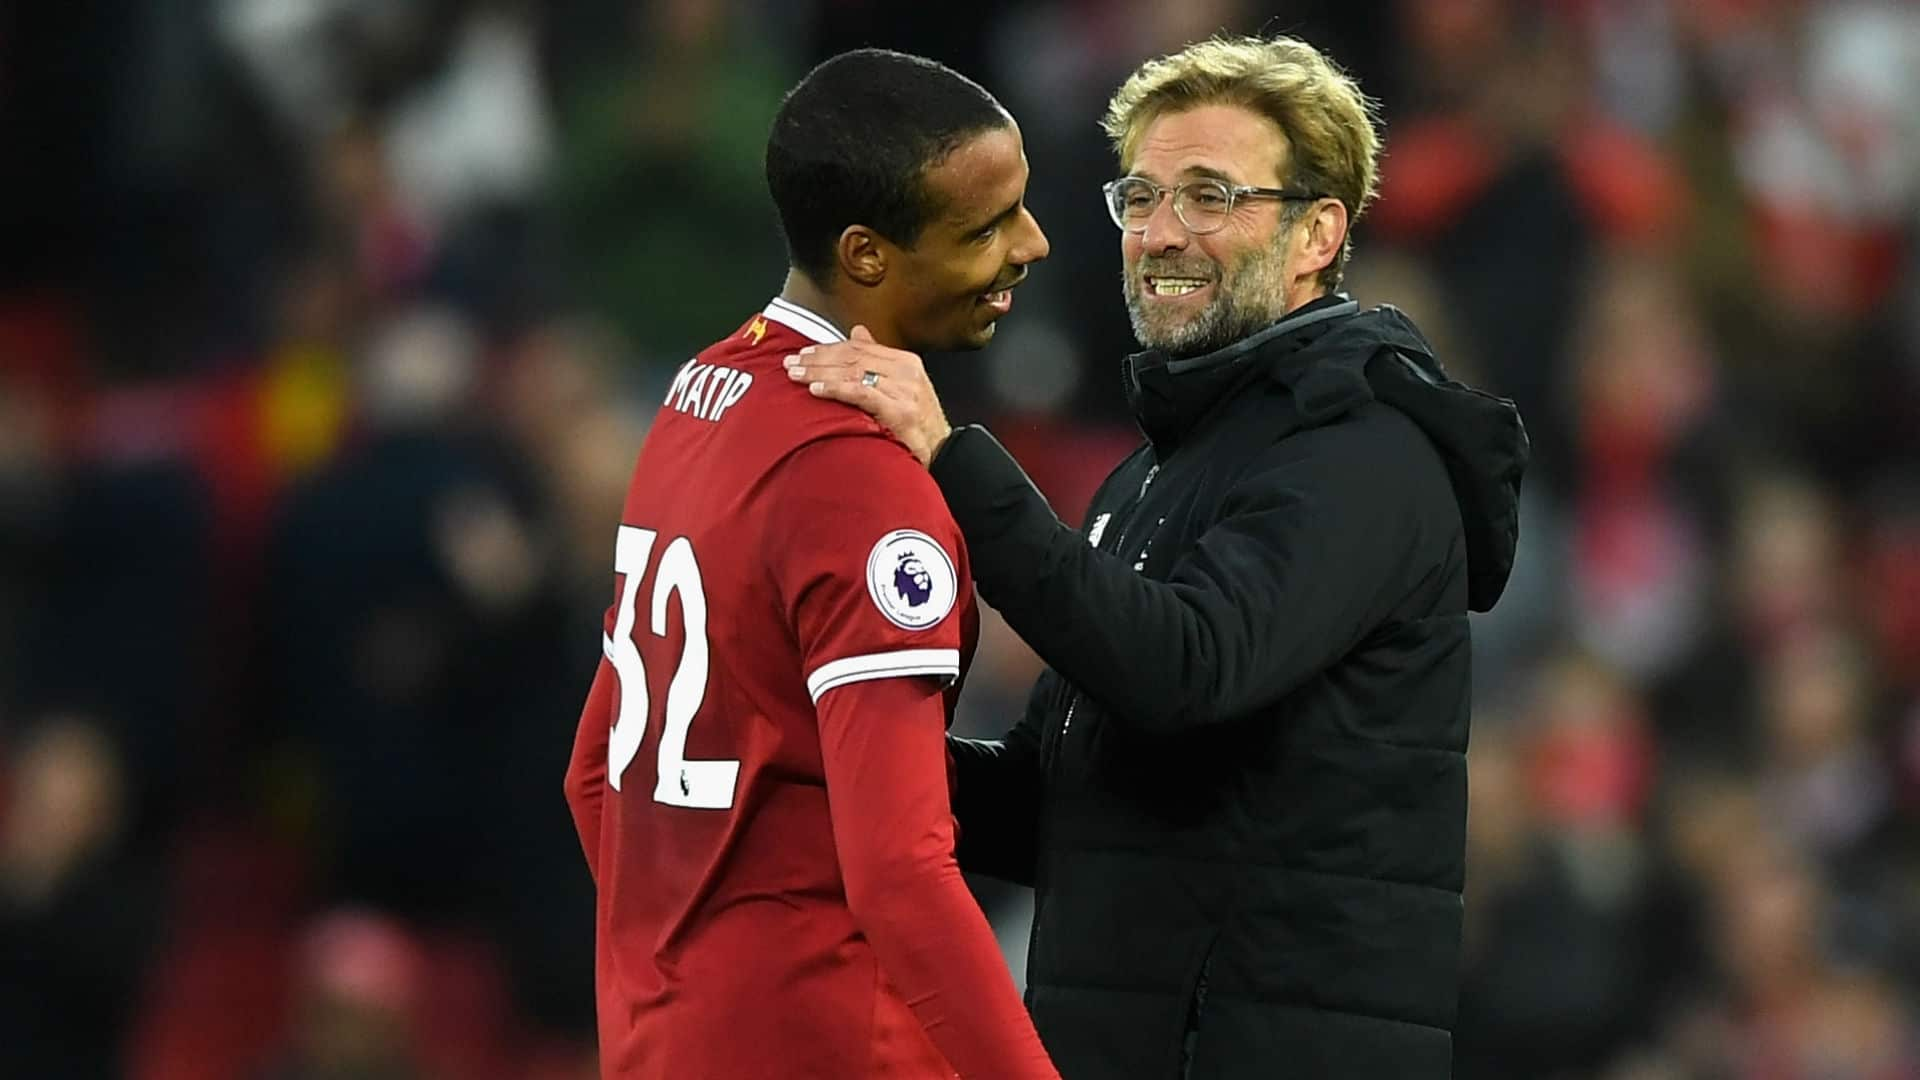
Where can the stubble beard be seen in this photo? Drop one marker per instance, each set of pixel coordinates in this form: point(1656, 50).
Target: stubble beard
point(1248, 298)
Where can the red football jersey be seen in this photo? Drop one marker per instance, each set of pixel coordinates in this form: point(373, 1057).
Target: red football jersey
point(773, 547)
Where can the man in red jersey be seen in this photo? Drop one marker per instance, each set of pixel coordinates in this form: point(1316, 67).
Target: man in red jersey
point(759, 779)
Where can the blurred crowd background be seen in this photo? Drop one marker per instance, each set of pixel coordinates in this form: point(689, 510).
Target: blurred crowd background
point(329, 330)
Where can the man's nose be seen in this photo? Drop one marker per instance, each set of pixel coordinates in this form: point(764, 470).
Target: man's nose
point(1165, 231)
point(1033, 245)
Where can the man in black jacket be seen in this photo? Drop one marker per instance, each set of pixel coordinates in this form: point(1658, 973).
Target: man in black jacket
point(1240, 789)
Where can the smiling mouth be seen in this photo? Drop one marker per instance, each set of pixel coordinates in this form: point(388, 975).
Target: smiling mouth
point(1001, 299)
point(1175, 286)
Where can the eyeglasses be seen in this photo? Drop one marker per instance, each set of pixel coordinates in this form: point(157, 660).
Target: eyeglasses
point(1201, 205)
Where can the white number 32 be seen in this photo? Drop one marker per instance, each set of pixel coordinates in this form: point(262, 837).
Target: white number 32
point(701, 785)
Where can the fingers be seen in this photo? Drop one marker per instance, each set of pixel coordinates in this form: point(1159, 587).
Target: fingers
point(902, 379)
point(867, 399)
point(817, 376)
point(835, 358)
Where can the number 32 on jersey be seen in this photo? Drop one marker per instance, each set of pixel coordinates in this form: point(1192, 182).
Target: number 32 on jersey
point(700, 785)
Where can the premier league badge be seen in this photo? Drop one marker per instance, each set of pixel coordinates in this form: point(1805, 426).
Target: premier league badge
point(911, 579)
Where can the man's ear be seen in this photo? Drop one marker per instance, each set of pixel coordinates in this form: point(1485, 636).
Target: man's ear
point(1326, 226)
point(863, 255)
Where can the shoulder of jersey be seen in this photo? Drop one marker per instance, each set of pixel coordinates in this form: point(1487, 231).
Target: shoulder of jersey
point(763, 343)
point(761, 338)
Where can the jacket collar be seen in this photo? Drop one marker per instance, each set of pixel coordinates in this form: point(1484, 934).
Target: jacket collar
point(1330, 359)
point(1168, 395)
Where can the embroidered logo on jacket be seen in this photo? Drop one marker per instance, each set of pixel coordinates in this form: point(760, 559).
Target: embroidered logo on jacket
point(1099, 529)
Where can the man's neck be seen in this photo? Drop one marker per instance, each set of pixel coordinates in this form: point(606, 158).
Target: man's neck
point(804, 291)
point(1304, 295)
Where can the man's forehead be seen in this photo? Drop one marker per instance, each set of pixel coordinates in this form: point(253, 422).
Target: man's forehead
point(1220, 142)
point(984, 175)
point(988, 157)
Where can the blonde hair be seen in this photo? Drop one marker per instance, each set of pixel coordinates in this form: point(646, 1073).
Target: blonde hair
point(1330, 126)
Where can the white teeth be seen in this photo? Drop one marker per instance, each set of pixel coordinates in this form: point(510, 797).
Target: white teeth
point(1176, 286)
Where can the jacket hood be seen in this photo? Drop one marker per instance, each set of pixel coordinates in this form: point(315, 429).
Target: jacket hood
point(1333, 357)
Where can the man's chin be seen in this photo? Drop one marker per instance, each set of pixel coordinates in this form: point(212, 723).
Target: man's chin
point(1182, 340)
point(1206, 332)
point(979, 337)
point(962, 339)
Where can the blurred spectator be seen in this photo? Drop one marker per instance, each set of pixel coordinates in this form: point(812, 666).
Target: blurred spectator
point(424, 661)
point(77, 903)
point(1557, 881)
point(360, 981)
point(1824, 781)
point(122, 627)
point(1780, 577)
point(1791, 1011)
point(564, 400)
point(1650, 487)
point(399, 569)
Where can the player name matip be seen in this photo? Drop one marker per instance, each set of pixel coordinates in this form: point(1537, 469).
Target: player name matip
point(707, 390)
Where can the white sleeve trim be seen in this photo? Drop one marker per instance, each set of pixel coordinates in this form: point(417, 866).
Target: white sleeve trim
point(887, 665)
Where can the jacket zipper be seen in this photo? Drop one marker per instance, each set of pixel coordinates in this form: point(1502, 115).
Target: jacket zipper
point(1196, 1011)
point(1050, 762)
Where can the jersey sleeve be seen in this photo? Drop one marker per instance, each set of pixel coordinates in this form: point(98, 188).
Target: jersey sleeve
point(893, 830)
point(872, 568)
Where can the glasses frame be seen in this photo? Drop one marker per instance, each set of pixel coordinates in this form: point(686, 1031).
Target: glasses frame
point(1235, 192)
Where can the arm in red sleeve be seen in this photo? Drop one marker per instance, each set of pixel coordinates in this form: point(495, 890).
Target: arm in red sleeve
point(882, 744)
point(586, 783)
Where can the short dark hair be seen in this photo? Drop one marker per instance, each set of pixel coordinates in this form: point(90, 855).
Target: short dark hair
point(852, 143)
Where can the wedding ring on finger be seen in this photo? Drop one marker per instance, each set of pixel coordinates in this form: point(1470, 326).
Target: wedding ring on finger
point(870, 378)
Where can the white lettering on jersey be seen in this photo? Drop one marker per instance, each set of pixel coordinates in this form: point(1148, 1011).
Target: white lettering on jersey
point(696, 387)
point(679, 781)
point(707, 391)
point(736, 390)
point(680, 379)
point(703, 401)
point(717, 392)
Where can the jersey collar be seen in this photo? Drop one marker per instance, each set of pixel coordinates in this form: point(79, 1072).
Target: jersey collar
point(794, 317)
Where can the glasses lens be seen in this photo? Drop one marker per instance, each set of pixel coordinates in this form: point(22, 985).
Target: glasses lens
point(1131, 201)
point(1203, 204)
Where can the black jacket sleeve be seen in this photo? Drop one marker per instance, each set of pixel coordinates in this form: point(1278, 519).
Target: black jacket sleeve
point(997, 791)
point(1313, 549)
